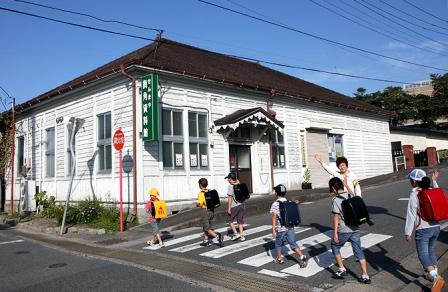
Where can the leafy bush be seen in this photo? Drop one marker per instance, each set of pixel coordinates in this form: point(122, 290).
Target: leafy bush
point(443, 155)
point(89, 211)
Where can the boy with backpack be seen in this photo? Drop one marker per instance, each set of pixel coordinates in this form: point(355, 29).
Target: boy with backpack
point(280, 231)
point(426, 231)
point(235, 209)
point(155, 223)
point(207, 215)
point(342, 233)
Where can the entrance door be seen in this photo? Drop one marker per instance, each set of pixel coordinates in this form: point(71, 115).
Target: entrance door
point(240, 164)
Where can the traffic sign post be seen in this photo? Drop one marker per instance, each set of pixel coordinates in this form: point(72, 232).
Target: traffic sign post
point(118, 142)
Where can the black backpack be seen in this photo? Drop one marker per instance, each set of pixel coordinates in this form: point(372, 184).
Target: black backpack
point(212, 199)
point(289, 213)
point(240, 192)
point(354, 211)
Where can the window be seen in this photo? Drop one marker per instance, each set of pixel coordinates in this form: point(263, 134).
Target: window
point(49, 152)
point(173, 140)
point(20, 155)
point(278, 149)
point(198, 129)
point(69, 154)
point(104, 143)
point(335, 147)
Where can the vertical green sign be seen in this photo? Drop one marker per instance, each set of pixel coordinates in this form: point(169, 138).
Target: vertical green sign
point(150, 109)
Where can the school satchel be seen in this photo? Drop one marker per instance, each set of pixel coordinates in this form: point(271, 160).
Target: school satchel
point(354, 211)
point(158, 209)
point(212, 199)
point(433, 204)
point(289, 213)
point(241, 192)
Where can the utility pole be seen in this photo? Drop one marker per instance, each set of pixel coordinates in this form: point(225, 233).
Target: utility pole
point(13, 134)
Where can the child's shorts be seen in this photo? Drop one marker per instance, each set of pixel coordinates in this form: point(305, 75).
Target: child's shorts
point(355, 241)
point(155, 226)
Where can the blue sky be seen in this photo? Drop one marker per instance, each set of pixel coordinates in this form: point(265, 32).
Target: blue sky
point(305, 38)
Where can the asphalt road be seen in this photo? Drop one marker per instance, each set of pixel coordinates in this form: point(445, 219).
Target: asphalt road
point(27, 265)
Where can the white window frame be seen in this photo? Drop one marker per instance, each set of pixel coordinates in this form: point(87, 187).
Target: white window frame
point(50, 147)
point(198, 140)
point(104, 142)
point(334, 147)
point(173, 139)
point(278, 149)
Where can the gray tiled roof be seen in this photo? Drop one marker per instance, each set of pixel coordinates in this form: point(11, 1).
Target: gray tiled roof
point(177, 57)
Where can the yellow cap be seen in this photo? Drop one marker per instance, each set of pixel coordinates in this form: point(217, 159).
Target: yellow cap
point(153, 192)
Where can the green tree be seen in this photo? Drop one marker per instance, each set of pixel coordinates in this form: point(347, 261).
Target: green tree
point(5, 143)
point(440, 92)
point(391, 99)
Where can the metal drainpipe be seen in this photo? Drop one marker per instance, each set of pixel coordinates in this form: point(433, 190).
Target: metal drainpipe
point(271, 159)
point(134, 139)
point(13, 134)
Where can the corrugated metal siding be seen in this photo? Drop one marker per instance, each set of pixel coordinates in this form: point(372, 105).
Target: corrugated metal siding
point(316, 143)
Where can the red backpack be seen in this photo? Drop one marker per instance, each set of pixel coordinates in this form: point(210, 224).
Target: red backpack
point(433, 205)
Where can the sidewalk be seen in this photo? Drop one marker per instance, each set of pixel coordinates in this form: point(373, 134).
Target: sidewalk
point(404, 276)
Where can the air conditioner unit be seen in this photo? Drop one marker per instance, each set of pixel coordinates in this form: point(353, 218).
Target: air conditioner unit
point(27, 192)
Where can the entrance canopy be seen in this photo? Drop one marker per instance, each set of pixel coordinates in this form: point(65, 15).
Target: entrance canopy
point(257, 117)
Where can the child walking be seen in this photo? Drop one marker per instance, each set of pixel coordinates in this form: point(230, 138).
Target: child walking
point(426, 232)
point(279, 232)
point(342, 233)
point(155, 223)
point(207, 215)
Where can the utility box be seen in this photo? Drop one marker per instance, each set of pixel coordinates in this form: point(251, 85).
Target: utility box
point(27, 192)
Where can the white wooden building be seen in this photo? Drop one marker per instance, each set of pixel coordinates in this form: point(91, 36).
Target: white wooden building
point(215, 114)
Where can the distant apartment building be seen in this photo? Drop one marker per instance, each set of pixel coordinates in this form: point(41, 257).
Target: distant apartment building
point(421, 87)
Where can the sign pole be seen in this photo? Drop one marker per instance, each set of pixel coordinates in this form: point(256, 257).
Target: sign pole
point(118, 141)
point(121, 193)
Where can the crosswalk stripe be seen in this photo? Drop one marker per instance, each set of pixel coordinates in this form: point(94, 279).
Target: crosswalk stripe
point(196, 245)
point(267, 257)
point(187, 238)
point(217, 253)
point(14, 241)
point(326, 259)
point(274, 273)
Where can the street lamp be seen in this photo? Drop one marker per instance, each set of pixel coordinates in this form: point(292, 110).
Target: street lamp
point(73, 125)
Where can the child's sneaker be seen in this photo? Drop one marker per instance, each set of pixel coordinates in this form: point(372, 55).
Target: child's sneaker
point(150, 243)
point(340, 274)
point(365, 280)
point(437, 284)
point(220, 240)
point(236, 236)
point(303, 261)
point(205, 243)
point(278, 261)
point(161, 245)
point(242, 238)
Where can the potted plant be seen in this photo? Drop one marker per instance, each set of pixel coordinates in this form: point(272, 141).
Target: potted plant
point(306, 184)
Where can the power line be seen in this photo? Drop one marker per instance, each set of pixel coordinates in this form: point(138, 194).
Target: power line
point(88, 15)
point(425, 11)
point(413, 16)
point(240, 57)
point(319, 38)
point(349, 19)
point(75, 24)
point(395, 21)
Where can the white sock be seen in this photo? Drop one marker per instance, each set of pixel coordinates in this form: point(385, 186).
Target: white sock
point(433, 274)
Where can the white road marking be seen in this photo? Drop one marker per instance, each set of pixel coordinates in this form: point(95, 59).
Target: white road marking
point(268, 256)
point(306, 203)
point(242, 245)
point(403, 199)
point(273, 273)
point(326, 259)
point(196, 245)
point(14, 241)
point(187, 238)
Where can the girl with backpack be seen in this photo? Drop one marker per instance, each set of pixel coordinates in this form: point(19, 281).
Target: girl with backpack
point(426, 232)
